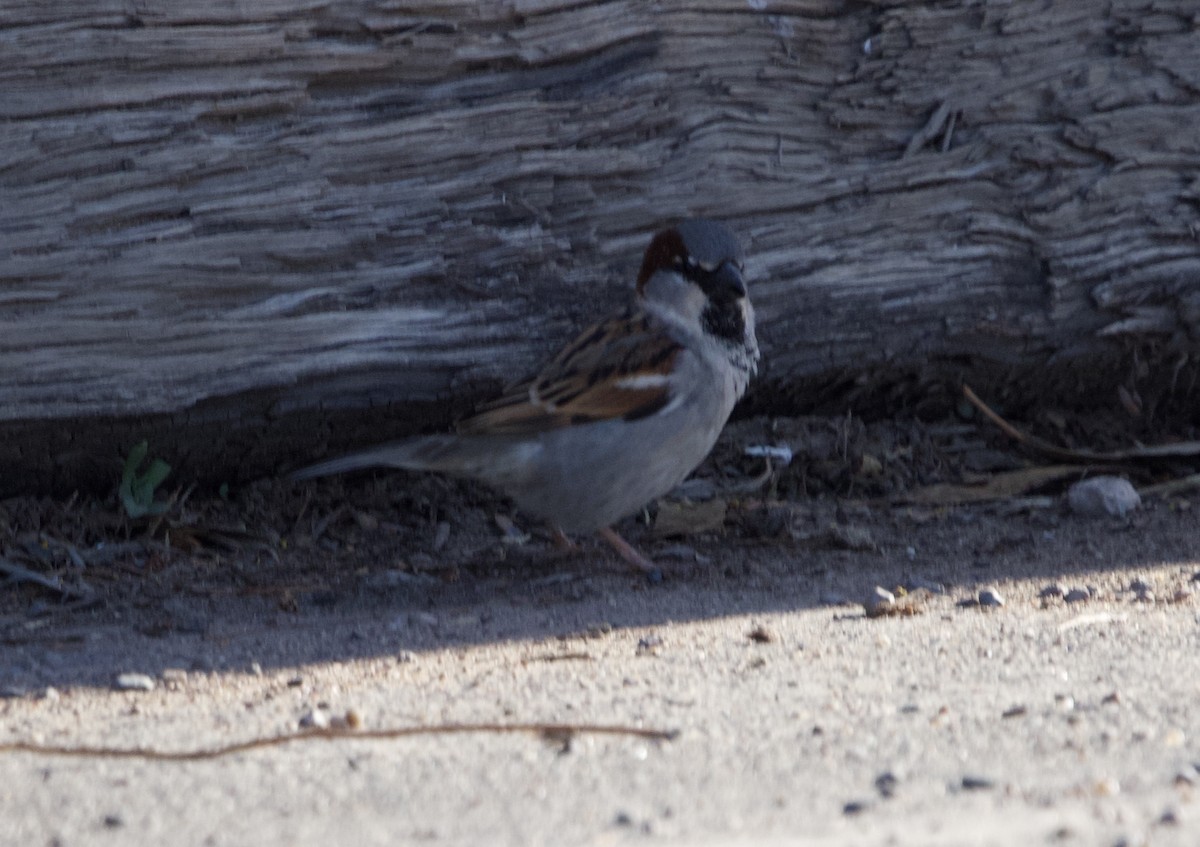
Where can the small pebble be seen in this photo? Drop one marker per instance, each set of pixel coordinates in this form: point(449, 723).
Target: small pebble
point(1077, 595)
point(352, 719)
point(1054, 589)
point(761, 635)
point(649, 645)
point(134, 682)
point(879, 601)
point(1103, 495)
point(991, 597)
point(977, 783)
point(314, 719)
point(366, 521)
point(1014, 712)
point(886, 784)
point(855, 807)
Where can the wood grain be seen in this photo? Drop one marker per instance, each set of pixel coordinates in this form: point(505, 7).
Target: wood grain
point(368, 204)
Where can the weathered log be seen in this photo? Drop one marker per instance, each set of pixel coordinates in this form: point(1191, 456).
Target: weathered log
point(255, 228)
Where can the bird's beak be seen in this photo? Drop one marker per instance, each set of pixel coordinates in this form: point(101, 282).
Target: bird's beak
point(727, 280)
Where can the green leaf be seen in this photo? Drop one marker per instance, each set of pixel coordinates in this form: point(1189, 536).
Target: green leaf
point(137, 490)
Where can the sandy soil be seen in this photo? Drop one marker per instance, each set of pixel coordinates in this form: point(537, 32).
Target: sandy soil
point(404, 601)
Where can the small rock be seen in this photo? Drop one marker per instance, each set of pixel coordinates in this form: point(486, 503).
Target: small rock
point(649, 645)
point(113, 821)
point(886, 784)
point(365, 521)
point(1014, 712)
point(1077, 595)
point(879, 601)
point(761, 635)
point(314, 719)
point(1138, 585)
point(1054, 589)
point(855, 807)
point(1169, 817)
point(977, 783)
point(352, 719)
point(1103, 495)
point(991, 597)
point(134, 682)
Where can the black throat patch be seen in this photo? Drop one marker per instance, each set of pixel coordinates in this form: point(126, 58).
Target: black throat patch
point(723, 318)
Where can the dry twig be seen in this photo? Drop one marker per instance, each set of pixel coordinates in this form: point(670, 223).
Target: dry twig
point(546, 729)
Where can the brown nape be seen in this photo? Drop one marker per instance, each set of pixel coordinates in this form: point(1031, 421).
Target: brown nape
point(665, 249)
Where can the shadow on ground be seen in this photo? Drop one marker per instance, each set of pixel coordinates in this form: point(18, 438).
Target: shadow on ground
point(282, 576)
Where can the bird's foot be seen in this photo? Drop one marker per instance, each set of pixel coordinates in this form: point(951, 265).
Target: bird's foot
point(631, 554)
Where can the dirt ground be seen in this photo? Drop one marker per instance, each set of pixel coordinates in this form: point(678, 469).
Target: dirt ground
point(1034, 681)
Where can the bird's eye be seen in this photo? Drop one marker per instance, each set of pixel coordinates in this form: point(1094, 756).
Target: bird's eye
point(677, 262)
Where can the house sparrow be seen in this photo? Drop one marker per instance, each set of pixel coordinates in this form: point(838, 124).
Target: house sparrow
point(624, 412)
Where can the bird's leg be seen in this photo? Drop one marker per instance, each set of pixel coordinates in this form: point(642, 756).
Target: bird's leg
point(630, 554)
point(563, 543)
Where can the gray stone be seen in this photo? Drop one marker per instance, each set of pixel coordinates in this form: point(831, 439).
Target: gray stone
point(1103, 495)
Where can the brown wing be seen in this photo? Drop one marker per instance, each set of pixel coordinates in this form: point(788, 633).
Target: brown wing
point(620, 368)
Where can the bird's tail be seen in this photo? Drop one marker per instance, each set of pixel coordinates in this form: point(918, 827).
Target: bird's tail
point(430, 453)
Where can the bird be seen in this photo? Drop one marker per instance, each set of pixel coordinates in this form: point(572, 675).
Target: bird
point(624, 412)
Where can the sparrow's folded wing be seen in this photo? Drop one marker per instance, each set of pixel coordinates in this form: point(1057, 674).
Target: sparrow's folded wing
point(619, 369)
